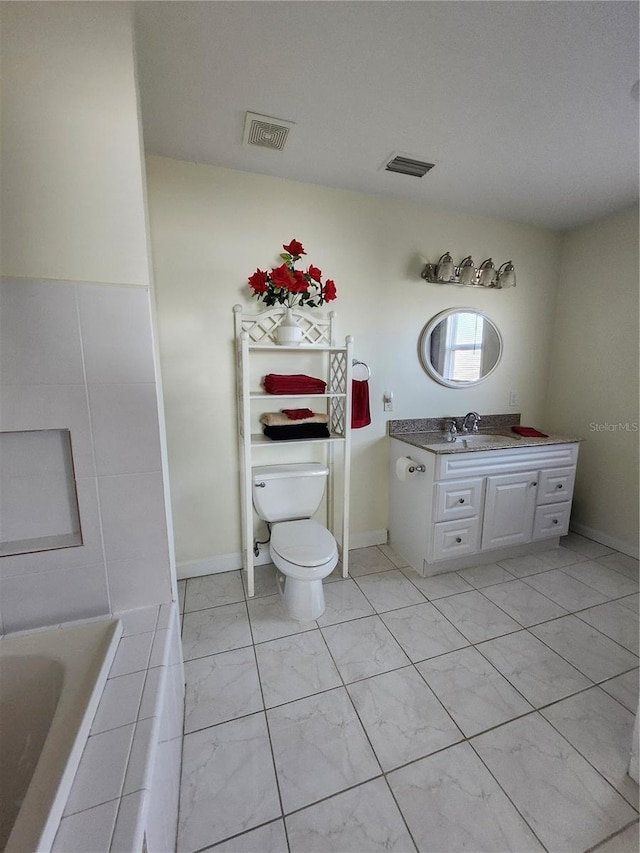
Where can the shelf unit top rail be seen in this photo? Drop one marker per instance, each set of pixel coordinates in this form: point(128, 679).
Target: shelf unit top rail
point(262, 327)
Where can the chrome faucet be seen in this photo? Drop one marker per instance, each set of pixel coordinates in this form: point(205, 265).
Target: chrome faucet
point(475, 418)
point(452, 432)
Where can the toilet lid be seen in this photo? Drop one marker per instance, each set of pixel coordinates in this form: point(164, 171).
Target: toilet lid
point(304, 542)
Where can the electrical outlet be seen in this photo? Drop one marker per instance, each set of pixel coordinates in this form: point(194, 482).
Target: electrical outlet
point(513, 398)
point(387, 400)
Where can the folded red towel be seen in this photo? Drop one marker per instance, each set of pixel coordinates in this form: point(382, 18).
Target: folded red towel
point(295, 378)
point(297, 383)
point(529, 432)
point(297, 414)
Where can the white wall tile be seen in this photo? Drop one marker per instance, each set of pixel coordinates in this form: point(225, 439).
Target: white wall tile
point(125, 428)
point(138, 621)
point(52, 407)
point(116, 334)
point(35, 507)
point(87, 830)
point(101, 771)
point(89, 553)
point(153, 689)
point(49, 598)
point(132, 655)
point(133, 518)
point(162, 817)
point(119, 703)
point(39, 334)
point(128, 834)
point(139, 582)
point(143, 752)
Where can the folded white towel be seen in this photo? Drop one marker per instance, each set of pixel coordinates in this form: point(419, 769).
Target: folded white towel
point(279, 419)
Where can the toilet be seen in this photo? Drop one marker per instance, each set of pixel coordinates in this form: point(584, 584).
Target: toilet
point(302, 549)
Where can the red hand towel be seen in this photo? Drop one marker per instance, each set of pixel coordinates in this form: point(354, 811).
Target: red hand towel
point(529, 432)
point(360, 415)
point(297, 414)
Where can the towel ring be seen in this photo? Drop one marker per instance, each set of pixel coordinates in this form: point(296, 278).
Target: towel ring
point(355, 363)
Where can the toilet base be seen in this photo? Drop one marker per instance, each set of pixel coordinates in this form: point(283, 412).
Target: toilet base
point(303, 600)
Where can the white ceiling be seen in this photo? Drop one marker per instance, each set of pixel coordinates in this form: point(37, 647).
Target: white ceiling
point(524, 107)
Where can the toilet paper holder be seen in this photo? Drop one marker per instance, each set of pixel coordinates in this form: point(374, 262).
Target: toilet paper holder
point(417, 469)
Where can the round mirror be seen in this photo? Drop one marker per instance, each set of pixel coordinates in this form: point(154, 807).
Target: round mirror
point(460, 347)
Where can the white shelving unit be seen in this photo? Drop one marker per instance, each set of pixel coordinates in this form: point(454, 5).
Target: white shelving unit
point(258, 354)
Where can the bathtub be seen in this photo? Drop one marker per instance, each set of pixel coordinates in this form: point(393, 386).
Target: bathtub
point(50, 685)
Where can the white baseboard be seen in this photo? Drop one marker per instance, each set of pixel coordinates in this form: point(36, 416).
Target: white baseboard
point(232, 562)
point(368, 538)
point(604, 539)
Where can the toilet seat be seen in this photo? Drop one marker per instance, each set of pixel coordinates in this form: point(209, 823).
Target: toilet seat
point(303, 549)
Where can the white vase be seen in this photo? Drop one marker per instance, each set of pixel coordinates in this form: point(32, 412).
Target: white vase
point(289, 332)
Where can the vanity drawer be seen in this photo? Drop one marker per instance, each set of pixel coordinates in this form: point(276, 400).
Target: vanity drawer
point(551, 520)
point(461, 499)
point(555, 485)
point(456, 538)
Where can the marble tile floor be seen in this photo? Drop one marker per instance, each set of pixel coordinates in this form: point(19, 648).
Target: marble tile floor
point(489, 709)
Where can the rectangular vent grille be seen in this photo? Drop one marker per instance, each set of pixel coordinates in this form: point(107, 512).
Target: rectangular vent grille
point(408, 166)
point(266, 132)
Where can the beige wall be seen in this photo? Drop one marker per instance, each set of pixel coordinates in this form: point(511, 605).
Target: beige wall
point(211, 228)
point(72, 201)
point(593, 387)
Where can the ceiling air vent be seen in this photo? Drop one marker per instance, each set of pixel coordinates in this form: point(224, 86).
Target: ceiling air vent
point(265, 131)
point(408, 166)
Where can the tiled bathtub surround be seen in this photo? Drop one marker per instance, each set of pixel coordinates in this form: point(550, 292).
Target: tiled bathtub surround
point(127, 782)
point(489, 709)
point(80, 357)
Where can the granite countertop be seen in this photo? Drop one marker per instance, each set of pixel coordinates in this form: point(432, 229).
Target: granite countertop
point(430, 434)
point(436, 442)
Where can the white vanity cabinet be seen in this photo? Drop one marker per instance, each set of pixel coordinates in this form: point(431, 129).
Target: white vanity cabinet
point(475, 507)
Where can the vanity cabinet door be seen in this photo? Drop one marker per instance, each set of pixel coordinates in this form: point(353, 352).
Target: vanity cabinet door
point(509, 507)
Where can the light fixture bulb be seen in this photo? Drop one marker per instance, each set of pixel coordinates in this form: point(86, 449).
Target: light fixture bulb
point(506, 275)
point(445, 268)
point(466, 271)
point(487, 273)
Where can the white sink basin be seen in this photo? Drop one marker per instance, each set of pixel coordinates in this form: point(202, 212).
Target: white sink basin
point(474, 440)
point(466, 442)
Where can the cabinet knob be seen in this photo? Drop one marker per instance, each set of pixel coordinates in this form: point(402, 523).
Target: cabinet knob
point(535, 483)
point(458, 539)
point(559, 486)
point(555, 520)
point(461, 501)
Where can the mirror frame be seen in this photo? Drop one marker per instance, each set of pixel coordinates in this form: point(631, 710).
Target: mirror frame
point(425, 337)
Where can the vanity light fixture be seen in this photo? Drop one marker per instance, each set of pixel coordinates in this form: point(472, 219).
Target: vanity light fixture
point(467, 275)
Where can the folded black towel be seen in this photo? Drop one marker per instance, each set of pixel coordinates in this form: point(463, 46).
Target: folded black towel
point(286, 433)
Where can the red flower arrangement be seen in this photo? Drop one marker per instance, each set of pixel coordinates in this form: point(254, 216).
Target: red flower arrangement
point(285, 285)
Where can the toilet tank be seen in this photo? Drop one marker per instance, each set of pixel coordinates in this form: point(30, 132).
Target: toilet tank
point(286, 492)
